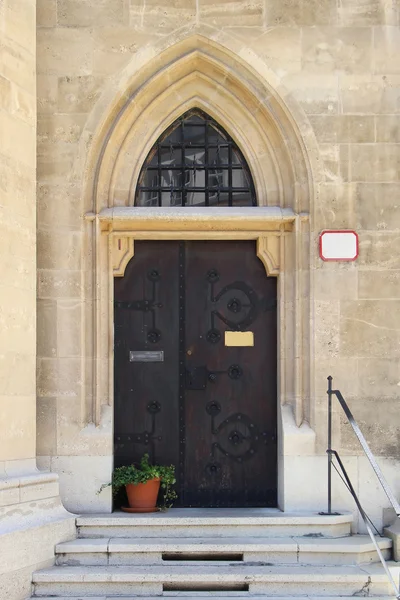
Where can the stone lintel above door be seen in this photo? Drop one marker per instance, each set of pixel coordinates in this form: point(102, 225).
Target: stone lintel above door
point(264, 224)
point(189, 220)
point(279, 235)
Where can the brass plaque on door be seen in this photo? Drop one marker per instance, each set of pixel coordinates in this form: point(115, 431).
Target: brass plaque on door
point(239, 338)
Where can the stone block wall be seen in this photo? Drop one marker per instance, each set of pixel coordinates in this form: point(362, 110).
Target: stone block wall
point(338, 63)
point(32, 519)
point(18, 235)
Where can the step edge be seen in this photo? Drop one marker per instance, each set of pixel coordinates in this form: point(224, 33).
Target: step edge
point(295, 521)
point(203, 575)
point(131, 545)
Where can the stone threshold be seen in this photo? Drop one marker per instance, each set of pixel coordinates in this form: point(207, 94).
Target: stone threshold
point(214, 516)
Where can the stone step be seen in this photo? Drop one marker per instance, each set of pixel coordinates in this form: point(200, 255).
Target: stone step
point(208, 522)
point(293, 580)
point(207, 596)
point(177, 551)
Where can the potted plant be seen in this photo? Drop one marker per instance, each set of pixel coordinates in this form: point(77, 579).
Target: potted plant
point(142, 484)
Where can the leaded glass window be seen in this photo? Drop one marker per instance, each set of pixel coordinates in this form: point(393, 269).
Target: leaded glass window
point(195, 163)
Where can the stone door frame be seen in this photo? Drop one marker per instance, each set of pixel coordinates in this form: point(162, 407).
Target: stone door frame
point(275, 231)
point(273, 140)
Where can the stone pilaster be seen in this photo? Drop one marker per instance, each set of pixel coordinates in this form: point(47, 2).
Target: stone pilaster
point(32, 518)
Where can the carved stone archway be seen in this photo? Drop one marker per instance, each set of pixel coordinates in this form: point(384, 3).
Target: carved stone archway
point(199, 74)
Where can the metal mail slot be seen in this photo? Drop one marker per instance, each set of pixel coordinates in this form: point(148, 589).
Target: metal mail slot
point(146, 356)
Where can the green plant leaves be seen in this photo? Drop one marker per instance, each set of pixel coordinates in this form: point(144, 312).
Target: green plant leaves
point(144, 472)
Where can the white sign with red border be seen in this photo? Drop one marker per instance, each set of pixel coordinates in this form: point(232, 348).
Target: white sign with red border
point(338, 245)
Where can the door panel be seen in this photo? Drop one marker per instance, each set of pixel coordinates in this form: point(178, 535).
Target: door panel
point(230, 450)
point(146, 320)
point(208, 408)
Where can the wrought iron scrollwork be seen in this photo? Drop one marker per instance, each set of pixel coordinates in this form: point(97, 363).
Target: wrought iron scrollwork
point(213, 336)
point(244, 303)
point(234, 305)
point(213, 408)
point(213, 276)
point(154, 336)
point(154, 407)
point(243, 438)
point(148, 438)
point(197, 377)
point(213, 468)
point(154, 275)
point(236, 437)
point(246, 306)
point(235, 372)
point(147, 305)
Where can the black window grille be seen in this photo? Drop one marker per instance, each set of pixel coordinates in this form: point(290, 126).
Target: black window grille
point(195, 163)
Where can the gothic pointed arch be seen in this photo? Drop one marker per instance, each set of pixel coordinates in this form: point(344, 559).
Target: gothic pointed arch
point(195, 163)
point(200, 74)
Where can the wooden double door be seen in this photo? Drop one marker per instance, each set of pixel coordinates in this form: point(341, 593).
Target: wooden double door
point(195, 369)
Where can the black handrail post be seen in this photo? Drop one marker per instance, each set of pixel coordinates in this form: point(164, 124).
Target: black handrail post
point(329, 392)
point(375, 466)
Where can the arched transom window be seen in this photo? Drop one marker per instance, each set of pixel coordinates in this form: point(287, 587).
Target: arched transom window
point(195, 163)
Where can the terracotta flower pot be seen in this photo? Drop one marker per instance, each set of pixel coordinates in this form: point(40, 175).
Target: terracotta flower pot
point(143, 496)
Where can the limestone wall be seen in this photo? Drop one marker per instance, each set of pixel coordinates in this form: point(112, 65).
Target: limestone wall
point(32, 519)
point(18, 235)
point(335, 68)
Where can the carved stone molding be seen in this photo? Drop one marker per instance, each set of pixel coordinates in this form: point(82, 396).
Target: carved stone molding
point(266, 226)
point(122, 248)
point(284, 162)
point(268, 251)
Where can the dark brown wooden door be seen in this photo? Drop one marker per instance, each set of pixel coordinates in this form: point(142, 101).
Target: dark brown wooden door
point(181, 393)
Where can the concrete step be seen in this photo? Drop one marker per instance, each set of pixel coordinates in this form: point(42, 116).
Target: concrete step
point(207, 596)
point(177, 551)
point(208, 522)
point(293, 580)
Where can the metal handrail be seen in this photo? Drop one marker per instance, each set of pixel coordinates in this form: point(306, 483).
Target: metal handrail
point(347, 481)
point(364, 446)
point(367, 525)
